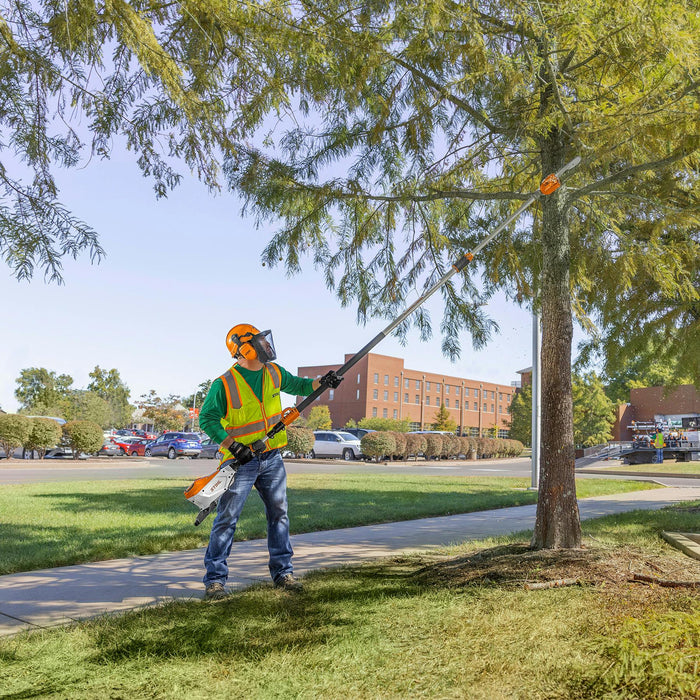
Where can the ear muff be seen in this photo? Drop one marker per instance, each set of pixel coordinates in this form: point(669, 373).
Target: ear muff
point(245, 347)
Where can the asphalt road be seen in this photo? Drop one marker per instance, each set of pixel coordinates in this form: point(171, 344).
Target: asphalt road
point(107, 468)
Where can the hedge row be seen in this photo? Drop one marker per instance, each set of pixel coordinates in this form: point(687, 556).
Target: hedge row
point(40, 434)
point(394, 445)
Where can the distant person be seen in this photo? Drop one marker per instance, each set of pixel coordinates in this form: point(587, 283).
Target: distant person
point(242, 406)
point(659, 444)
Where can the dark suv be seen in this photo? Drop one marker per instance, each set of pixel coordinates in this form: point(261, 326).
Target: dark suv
point(174, 445)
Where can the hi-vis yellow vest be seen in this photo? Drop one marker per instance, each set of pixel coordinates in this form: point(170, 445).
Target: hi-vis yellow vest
point(659, 441)
point(248, 419)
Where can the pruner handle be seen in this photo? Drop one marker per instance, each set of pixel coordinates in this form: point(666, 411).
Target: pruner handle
point(288, 416)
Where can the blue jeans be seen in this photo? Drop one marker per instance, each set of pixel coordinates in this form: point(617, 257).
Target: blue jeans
point(659, 455)
point(269, 477)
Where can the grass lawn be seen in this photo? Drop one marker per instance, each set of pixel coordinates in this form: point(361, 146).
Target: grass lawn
point(451, 624)
point(666, 468)
point(60, 523)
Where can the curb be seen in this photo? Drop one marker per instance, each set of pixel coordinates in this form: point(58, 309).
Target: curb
point(658, 475)
point(683, 541)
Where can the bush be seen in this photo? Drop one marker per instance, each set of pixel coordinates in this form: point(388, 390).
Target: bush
point(14, 432)
point(467, 447)
point(378, 444)
point(44, 433)
point(83, 436)
point(433, 447)
point(452, 446)
point(415, 444)
point(401, 444)
point(300, 441)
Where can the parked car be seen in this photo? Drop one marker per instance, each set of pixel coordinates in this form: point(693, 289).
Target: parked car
point(336, 443)
point(359, 433)
point(137, 447)
point(124, 431)
point(110, 449)
point(174, 445)
point(210, 450)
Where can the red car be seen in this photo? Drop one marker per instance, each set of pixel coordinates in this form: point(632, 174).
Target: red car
point(137, 448)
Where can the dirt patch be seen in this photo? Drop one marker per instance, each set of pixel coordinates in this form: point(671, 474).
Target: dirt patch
point(609, 569)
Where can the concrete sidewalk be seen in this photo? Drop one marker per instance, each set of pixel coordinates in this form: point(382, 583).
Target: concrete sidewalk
point(50, 597)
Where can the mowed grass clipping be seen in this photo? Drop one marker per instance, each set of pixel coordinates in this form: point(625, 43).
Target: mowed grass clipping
point(449, 624)
point(59, 523)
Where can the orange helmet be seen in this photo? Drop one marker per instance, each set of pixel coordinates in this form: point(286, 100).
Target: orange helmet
point(247, 341)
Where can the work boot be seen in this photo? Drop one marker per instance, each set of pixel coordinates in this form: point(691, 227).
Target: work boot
point(215, 591)
point(289, 583)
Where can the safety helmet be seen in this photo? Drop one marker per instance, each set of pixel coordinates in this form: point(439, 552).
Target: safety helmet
point(247, 341)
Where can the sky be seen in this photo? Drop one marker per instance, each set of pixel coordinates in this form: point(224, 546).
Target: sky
point(178, 274)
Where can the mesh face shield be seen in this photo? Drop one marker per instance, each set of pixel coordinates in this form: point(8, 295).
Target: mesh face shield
point(264, 346)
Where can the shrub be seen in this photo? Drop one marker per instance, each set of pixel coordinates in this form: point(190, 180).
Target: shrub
point(433, 447)
point(415, 444)
point(300, 441)
point(378, 444)
point(452, 446)
point(83, 436)
point(401, 443)
point(468, 447)
point(44, 433)
point(14, 432)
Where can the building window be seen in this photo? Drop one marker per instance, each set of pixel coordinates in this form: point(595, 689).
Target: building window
point(386, 396)
point(386, 380)
point(405, 398)
point(405, 383)
point(396, 396)
point(476, 393)
point(437, 387)
point(396, 414)
point(476, 406)
point(500, 396)
point(414, 425)
point(493, 409)
point(427, 401)
point(375, 394)
point(417, 398)
point(374, 412)
point(331, 394)
point(358, 377)
point(437, 400)
point(466, 391)
point(447, 388)
point(486, 408)
point(357, 396)
point(385, 413)
point(376, 378)
point(427, 386)
point(456, 403)
point(447, 403)
point(500, 408)
point(502, 433)
point(473, 432)
point(417, 383)
point(396, 381)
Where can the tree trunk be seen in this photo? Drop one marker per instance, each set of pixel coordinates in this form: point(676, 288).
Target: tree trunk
point(557, 524)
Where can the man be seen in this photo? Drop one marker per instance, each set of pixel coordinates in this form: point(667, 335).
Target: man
point(241, 407)
point(659, 444)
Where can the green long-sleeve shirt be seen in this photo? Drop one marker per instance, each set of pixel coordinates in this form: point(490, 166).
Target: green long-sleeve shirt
point(214, 406)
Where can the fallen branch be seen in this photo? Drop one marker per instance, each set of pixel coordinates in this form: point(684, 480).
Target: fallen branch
point(665, 582)
point(552, 584)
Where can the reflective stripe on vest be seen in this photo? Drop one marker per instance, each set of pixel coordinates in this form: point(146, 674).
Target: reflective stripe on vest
point(247, 418)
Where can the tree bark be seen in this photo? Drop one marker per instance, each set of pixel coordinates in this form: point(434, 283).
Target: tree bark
point(557, 524)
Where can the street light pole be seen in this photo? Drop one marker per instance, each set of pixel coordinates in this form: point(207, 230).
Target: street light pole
point(536, 400)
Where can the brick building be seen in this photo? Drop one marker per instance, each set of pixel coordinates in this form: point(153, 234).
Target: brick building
point(649, 405)
point(379, 386)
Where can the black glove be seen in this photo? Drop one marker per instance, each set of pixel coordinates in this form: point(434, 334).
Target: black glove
point(330, 379)
point(241, 453)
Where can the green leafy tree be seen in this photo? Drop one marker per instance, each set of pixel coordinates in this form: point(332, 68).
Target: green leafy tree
point(398, 425)
point(351, 423)
point(44, 433)
point(109, 385)
point(39, 390)
point(520, 410)
point(442, 420)
point(443, 117)
point(88, 406)
point(14, 432)
point(593, 411)
point(319, 418)
point(83, 436)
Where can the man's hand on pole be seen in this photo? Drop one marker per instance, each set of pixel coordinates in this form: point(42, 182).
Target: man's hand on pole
point(330, 380)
